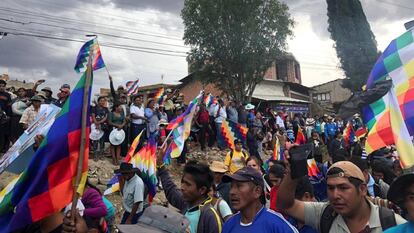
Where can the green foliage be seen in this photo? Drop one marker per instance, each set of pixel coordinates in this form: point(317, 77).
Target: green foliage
point(355, 43)
point(234, 42)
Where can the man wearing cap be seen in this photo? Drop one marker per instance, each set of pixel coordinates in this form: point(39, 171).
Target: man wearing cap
point(132, 188)
point(402, 193)
point(48, 95)
point(62, 95)
point(246, 190)
point(348, 209)
point(236, 159)
point(30, 113)
point(223, 189)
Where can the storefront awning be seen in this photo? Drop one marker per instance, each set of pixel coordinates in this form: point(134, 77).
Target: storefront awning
point(278, 98)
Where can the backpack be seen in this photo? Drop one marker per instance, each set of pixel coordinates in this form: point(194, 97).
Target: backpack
point(387, 218)
point(245, 154)
point(216, 206)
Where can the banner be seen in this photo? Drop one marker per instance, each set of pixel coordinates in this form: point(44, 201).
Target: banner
point(18, 156)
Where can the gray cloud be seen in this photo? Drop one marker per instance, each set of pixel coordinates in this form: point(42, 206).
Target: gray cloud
point(170, 6)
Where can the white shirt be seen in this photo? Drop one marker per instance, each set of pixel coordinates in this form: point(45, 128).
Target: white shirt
point(211, 110)
point(220, 114)
point(138, 111)
point(133, 192)
point(280, 122)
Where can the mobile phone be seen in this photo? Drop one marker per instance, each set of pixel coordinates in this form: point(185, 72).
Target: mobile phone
point(298, 160)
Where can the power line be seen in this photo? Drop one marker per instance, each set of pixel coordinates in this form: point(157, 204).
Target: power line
point(60, 19)
point(92, 32)
point(112, 44)
point(101, 44)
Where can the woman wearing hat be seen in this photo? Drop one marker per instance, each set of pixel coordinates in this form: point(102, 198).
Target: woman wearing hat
point(99, 117)
point(18, 107)
point(117, 121)
point(30, 113)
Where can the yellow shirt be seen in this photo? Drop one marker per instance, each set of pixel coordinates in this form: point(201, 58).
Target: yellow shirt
point(237, 161)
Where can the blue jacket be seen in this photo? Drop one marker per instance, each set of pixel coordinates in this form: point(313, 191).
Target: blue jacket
point(266, 221)
point(330, 129)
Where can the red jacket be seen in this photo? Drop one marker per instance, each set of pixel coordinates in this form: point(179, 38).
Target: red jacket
point(273, 198)
point(203, 117)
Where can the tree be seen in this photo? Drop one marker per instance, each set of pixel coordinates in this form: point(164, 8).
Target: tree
point(234, 42)
point(355, 43)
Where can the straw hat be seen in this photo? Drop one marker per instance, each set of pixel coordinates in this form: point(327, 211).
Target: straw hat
point(116, 137)
point(218, 167)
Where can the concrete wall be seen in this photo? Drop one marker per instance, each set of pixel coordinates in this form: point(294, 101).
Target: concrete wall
point(337, 92)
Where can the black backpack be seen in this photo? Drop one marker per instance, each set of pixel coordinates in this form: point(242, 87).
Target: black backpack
point(387, 218)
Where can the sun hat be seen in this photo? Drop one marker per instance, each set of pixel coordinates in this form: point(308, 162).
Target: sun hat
point(218, 167)
point(95, 133)
point(249, 106)
point(116, 137)
point(47, 89)
point(396, 192)
point(42, 94)
point(36, 98)
point(125, 168)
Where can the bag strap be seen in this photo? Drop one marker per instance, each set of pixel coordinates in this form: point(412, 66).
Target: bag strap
point(217, 207)
point(327, 218)
point(218, 218)
point(387, 218)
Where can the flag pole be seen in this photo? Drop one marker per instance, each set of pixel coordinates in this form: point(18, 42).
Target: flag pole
point(166, 139)
point(85, 106)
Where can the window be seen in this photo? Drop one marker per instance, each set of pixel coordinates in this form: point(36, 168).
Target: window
point(323, 96)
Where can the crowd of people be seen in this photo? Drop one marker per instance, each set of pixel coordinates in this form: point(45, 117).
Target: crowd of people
point(245, 191)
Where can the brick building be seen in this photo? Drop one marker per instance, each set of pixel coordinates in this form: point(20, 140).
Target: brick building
point(281, 88)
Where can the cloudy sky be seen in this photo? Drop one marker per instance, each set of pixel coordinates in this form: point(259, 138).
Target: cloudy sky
point(142, 38)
